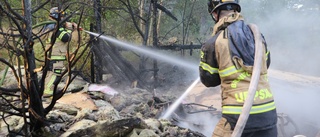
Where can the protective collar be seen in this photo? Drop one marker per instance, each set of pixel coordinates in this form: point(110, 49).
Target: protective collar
point(226, 20)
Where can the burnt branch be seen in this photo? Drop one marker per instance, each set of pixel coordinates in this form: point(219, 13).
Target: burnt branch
point(130, 10)
point(12, 68)
point(40, 6)
point(12, 17)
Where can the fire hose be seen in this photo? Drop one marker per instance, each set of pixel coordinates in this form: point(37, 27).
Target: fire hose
point(253, 84)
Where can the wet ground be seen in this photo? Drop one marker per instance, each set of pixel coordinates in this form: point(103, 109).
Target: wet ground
point(298, 97)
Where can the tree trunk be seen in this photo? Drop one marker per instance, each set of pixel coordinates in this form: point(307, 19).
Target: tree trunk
point(145, 37)
point(97, 44)
point(109, 58)
point(36, 110)
point(155, 43)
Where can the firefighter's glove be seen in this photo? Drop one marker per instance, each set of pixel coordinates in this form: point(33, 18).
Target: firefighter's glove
point(72, 26)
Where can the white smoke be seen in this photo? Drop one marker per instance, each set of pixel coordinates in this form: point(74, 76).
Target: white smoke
point(202, 122)
point(292, 35)
point(293, 39)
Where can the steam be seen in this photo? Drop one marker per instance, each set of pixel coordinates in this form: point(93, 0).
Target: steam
point(173, 107)
point(203, 123)
point(292, 36)
point(300, 102)
point(293, 39)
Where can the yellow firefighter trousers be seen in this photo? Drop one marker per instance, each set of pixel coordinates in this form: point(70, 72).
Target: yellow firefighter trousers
point(222, 129)
point(51, 77)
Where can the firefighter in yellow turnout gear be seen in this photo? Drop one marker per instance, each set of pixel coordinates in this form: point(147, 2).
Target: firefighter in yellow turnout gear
point(59, 49)
point(227, 59)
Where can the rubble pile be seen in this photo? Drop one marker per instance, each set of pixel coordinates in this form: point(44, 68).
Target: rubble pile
point(132, 113)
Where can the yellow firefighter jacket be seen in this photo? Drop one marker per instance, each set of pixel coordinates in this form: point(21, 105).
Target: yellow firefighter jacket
point(227, 60)
point(59, 48)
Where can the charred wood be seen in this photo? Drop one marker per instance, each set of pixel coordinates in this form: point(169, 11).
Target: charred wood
point(115, 129)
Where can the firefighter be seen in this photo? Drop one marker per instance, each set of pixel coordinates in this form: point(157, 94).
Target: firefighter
point(227, 60)
point(59, 49)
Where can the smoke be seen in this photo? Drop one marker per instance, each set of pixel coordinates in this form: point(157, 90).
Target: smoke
point(296, 101)
point(203, 122)
point(292, 36)
point(299, 101)
point(293, 40)
point(173, 107)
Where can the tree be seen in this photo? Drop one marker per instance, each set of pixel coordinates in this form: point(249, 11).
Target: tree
point(122, 71)
point(19, 41)
point(27, 55)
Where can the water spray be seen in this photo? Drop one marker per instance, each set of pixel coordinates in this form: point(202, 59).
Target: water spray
point(147, 51)
point(173, 107)
point(156, 55)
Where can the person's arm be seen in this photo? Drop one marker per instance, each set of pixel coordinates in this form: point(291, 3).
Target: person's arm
point(208, 68)
point(64, 34)
point(72, 26)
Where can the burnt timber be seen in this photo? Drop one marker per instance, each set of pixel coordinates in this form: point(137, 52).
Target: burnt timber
point(178, 47)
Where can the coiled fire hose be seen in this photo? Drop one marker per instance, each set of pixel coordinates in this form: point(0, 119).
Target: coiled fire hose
point(237, 132)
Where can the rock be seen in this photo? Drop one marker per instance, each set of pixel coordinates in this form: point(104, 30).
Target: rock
point(82, 114)
point(58, 126)
point(77, 83)
point(148, 133)
point(119, 102)
point(172, 131)
point(134, 133)
point(116, 128)
point(100, 103)
point(69, 109)
point(154, 124)
point(80, 100)
point(59, 116)
point(165, 122)
point(120, 127)
point(96, 95)
point(108, 113)
point(79, 126)
point(13, 121)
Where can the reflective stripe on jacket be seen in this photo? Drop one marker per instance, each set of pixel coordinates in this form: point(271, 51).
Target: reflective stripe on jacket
point(59, 49)
point(227, 60)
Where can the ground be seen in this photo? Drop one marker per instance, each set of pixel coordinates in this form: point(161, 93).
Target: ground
point(295, 96)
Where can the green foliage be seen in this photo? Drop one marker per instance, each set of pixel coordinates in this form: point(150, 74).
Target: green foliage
point(117, 21)
point(194, 22)
point(4, 54)
point(189, 14)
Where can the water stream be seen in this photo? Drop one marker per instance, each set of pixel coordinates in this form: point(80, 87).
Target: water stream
point(156, 55)
point(149, 52)
point(174, 106)
point(286, 93)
